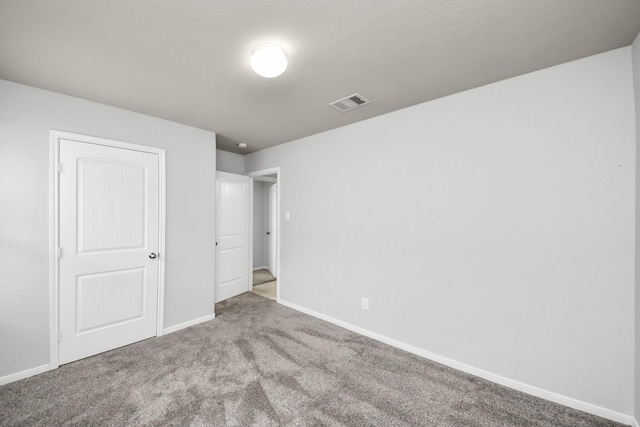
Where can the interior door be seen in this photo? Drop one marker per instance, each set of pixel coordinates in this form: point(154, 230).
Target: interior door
point(272, 229)
point(109, 239)
point(232, 230)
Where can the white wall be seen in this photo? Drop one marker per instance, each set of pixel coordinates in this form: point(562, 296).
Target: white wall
point(636, 79)
point(494, 227)
point(229, 162)
point(260, 223)
point(27, 115)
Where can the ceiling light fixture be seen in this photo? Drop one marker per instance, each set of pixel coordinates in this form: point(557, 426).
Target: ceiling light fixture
point(242, 145)
point(269, 60)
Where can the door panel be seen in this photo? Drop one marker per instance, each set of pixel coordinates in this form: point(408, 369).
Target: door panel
point(232, 230)
point(232, 259)
point(109, 224)
point(110, 298)
point(111, 208)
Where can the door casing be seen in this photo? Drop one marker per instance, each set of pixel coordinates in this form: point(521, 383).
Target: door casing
point(54, 209)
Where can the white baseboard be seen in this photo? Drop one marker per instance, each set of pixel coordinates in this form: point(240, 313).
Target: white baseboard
point(24, 374)
point(180, 326)
point(260, 268)
point(525, 388)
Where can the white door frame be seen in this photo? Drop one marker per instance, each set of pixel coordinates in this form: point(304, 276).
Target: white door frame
point(54, 221)
point(258, 174)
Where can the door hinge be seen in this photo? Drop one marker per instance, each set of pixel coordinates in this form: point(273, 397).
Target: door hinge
point(59, 336)
point(59, 253)
point(59, 168)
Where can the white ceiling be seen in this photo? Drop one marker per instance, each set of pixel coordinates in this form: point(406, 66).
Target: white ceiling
point(188, 61)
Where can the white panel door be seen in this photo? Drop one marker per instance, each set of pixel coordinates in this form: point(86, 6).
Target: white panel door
point(109, 238)
point(232, 231)
point(272, 229)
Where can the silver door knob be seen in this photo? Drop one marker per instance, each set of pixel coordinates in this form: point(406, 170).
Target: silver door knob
point(153, 255)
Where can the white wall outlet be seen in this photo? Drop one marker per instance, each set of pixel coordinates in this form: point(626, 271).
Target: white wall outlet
point(365, 303)
point(287, 216)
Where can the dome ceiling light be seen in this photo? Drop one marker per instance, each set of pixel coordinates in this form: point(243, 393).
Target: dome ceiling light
point(269, 60)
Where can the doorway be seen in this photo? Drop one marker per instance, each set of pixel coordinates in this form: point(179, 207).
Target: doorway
point(265, 233)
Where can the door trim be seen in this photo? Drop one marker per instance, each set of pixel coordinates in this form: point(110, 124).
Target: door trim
point(54, 239)
point(258, 174)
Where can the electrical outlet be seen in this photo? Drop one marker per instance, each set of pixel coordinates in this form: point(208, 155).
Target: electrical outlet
point(365, 303)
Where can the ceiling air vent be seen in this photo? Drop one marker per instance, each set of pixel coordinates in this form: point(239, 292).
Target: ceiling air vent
point(350, 102)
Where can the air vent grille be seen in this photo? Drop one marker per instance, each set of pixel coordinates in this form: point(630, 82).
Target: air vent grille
point(350, 102)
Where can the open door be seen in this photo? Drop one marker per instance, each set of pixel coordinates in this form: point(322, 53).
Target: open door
point(232, 235)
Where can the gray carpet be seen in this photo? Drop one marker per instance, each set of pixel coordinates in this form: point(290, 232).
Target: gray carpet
point(260, 363)
point(262, 276)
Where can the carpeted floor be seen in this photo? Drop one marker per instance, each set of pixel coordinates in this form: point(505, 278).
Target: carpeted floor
point(260, 363)
point(262, 276)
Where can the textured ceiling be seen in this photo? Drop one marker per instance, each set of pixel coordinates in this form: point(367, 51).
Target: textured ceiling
point(188, 61)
